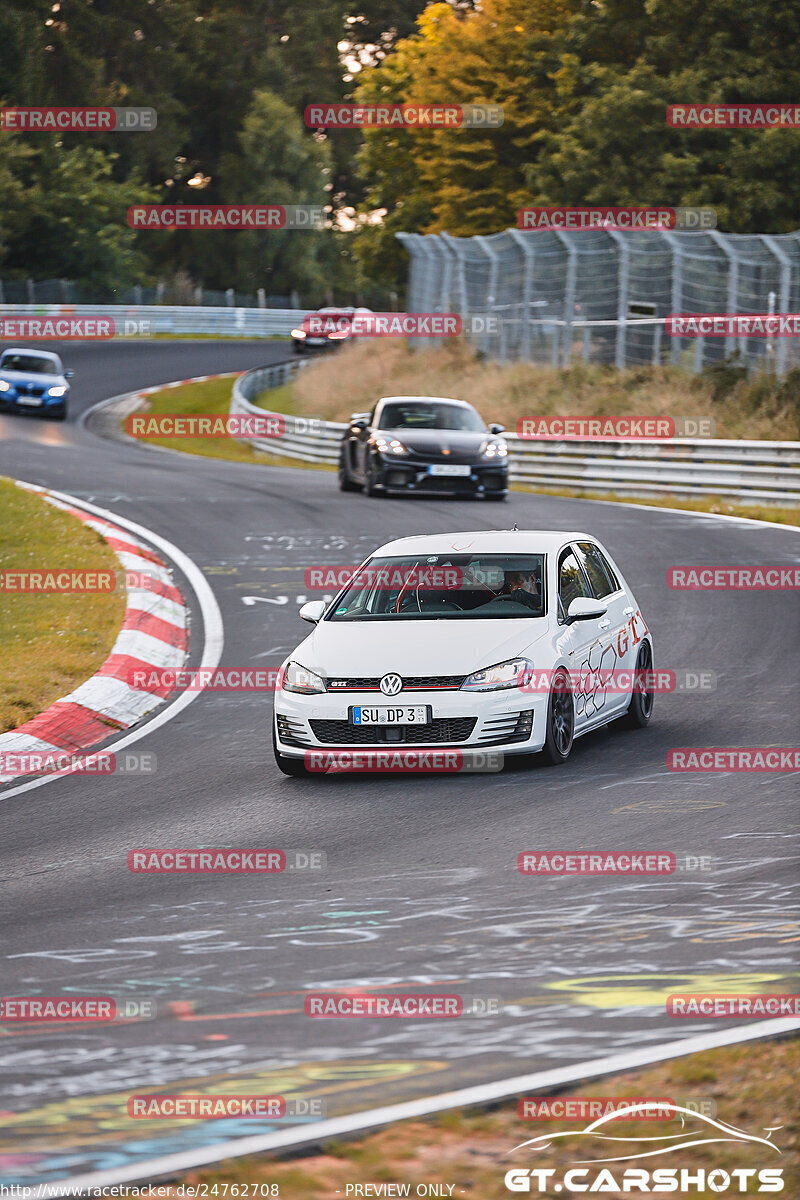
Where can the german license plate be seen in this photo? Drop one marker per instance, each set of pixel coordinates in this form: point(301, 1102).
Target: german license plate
point(34, 400)
point(399, 714)
point(448, 469)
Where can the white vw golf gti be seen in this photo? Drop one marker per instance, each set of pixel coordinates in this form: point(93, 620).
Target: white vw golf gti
point(443, 640)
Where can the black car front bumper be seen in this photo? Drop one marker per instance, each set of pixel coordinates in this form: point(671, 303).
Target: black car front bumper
point(406, 476)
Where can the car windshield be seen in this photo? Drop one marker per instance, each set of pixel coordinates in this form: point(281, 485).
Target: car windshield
point(446, 586)
point(430, 416)
point(33, 364)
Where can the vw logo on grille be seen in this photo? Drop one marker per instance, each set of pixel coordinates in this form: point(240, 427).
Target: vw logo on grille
point(391, 685)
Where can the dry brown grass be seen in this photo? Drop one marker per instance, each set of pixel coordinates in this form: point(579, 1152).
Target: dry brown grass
point(753, 1085)
point(351, 379)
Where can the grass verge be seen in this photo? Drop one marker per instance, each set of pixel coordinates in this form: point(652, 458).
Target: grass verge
point(213, 397)
point(752, 1085)
point(49, 644)
point(209, 398)
point(758, 406)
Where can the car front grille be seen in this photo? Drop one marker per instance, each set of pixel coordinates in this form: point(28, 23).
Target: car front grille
point(442, 731)
point(411, 683)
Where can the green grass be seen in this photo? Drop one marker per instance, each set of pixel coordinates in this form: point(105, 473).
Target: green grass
point(49, 644)
point(209, 398)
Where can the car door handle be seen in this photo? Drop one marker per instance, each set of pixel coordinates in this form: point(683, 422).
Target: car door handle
point(628, 612)
point(604, 624)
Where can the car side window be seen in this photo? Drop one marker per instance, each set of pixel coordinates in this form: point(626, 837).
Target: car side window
point(598, 569)
point(571, 580)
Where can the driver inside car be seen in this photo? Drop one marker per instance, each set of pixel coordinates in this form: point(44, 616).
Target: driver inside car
point(522, 587)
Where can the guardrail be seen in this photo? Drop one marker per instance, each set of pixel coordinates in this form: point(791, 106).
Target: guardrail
point(143, 320)
point(763, 472)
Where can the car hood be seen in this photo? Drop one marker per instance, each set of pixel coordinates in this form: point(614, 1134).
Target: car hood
point(28, 377)
point(459, 441)
point(369, 649)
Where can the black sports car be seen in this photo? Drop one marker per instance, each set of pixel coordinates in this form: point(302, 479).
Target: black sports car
point(423, 445)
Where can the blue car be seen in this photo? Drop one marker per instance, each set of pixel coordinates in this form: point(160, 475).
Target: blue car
point(34, 380)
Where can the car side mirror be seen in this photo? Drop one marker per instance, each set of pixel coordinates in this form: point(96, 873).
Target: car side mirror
point(69, 374)
point(583, 608)
point(312, 611)
point(359, 420)
point(495, 428)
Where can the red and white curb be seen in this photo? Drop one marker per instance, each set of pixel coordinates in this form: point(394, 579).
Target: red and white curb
point(154, 633)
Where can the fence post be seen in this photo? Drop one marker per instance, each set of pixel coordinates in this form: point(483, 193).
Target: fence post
point(623, 282)
point(262, 298)
point(527, 288)
point(230, 298)
point(733, 283)
point(31, 292)
point(677, 284)
point(569, 296)
point(786, 283)
point(491, 289)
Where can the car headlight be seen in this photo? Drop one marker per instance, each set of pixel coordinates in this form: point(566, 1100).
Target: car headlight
point(514, 672)
point(300, 679)
point(389, 446)
point(496, 449)
point(299, 333)
point(57, 391)
point(4, 387)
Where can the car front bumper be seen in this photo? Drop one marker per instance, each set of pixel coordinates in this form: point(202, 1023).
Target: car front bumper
point(408, 476)
point(509, 720)
point(13, 401)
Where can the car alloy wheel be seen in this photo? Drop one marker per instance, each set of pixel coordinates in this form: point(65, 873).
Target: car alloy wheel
point(560, 719)
point(641, 706)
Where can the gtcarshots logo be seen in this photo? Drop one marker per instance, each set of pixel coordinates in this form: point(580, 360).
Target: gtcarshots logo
point(696, 1128)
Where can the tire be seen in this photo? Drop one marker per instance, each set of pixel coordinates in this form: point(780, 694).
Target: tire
point(370, 486)
point(299, 348)
point(560, 720)
point(640, 710)
point(295, 767)
point(345, 482)
point(60, 414)
point(496, 496)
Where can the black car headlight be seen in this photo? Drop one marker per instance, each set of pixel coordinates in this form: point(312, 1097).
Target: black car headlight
point(389, 446)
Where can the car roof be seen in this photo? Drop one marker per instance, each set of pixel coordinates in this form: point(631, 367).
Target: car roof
point(485, 541)
point(31, 350)
point(427, 399)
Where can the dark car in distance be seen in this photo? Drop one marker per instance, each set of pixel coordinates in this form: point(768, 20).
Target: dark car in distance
point(423, 445)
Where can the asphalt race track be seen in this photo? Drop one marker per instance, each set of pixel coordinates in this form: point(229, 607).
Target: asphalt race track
point(420, 891)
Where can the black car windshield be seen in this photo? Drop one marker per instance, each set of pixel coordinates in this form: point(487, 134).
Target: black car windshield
point(430, 416)
point(446, 587)
point(31, 363)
